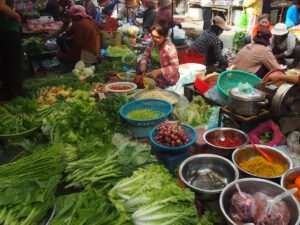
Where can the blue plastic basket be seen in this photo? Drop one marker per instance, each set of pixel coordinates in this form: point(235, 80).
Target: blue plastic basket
point(157, 105)
point(190, 132)
point(231, 78)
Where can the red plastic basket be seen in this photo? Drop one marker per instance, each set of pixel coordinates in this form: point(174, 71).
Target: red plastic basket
point(191, 55)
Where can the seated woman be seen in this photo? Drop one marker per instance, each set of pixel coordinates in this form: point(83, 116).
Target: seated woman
point(162, 55)
point(292, 14)
point(285, 45)
point(164, 13)
point(86, 44)
point(256, 57)
point(210, 44)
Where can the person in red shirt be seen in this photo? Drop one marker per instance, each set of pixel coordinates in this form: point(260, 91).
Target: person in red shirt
point(264, 21)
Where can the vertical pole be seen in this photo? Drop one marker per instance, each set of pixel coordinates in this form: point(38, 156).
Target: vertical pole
point(172, 24)
point(127, 11)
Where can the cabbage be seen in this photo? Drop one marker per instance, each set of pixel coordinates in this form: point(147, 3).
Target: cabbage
point(80, 65)
point(88, 71)
point(152, 196)
point(92, 68)
point(117, 51)
point(76, 72)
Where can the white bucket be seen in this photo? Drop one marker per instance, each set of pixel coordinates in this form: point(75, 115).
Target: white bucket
point(196, 69)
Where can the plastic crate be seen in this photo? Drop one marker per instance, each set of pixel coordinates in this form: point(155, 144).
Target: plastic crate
point(231, 78)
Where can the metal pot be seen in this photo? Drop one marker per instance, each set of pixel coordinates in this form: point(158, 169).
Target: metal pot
point(246, 104)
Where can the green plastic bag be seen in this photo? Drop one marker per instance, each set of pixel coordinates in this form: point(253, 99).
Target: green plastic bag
point(244, 19)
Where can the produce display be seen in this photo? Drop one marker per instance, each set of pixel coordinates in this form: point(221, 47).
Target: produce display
point(117, 51)
point(262, 167)
point(171, 134)
point(147, 199)
point(258, 209)
point(197, 112)
point(18, 116)
point(81, 71)
point(143, 114)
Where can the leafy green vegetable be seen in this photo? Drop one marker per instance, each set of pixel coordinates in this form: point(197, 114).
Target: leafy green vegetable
point(19, 115)
point(27, 186)
point(238, 40)
point(108, 164)
point(197, 112)
point(117, 51)
point(209, 218)
point(152, 196)
point(266, 136)
point(91, 207)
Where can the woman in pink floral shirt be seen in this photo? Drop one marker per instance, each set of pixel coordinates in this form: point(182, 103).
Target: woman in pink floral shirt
point(162, 55)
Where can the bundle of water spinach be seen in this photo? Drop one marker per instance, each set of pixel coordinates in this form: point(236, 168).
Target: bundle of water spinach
point(27, 186)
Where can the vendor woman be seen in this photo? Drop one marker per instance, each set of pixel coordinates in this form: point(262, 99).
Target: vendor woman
point(162, 54)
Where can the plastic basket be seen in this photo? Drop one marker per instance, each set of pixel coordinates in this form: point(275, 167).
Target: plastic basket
point(231, 78)
point(190, 132)
point(191, 55)
point(157, 105)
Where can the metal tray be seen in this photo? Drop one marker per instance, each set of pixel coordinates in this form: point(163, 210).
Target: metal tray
point(169, 96)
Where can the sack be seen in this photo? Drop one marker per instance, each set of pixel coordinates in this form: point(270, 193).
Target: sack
point(244, 19)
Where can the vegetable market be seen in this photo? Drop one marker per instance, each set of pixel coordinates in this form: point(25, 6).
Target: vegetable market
point(135, 112)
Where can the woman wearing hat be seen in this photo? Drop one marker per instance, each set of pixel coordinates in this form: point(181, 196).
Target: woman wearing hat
point(285, 45)
point(162, 55)
point(86, 44)
point(210, 44)
point(256, 57)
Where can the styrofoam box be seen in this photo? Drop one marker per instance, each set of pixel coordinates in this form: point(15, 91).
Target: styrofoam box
point(195, 13)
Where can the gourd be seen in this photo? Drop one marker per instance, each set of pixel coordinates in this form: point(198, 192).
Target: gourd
point(149, 83)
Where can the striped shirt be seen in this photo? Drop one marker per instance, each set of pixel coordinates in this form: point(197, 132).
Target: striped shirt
point(168, 60)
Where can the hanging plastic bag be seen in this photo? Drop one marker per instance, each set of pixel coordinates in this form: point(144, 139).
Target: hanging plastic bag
point(244, 18)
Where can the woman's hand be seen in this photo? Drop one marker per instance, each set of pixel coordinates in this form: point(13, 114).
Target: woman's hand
point(275, 77)
point(154, 73)
point(143, 68)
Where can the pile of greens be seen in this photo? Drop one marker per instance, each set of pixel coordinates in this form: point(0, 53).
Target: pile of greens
point(108, 164)
point(145, 198)
point(197, 112)
point(91, 207)
point(19, 115)
point(27, 186)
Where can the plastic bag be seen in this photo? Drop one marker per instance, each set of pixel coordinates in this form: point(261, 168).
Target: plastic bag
point(269, 212)
point(245, 87)
point(293, 142)
point(244, 19)
point(277, 136)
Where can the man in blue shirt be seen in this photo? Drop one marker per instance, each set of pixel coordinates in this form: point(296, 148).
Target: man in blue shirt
point(292, 14)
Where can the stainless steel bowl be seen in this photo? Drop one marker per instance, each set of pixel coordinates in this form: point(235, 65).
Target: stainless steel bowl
point(207, 174)
point(290, 176)
point(248, 152)
point(210, 137)
point(251, 186)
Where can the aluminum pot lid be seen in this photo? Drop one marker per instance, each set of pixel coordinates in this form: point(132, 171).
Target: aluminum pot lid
point(254, 95)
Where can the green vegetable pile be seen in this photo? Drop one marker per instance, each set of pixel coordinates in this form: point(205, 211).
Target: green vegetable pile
point(266, 136)
point(90, 207)
point(197, 112)
point(117, 51)
point(143, 114)
point(147, 199)
point(18, 116)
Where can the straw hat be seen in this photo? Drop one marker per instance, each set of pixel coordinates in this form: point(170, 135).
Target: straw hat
point(220, 22)
point(279, 29)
